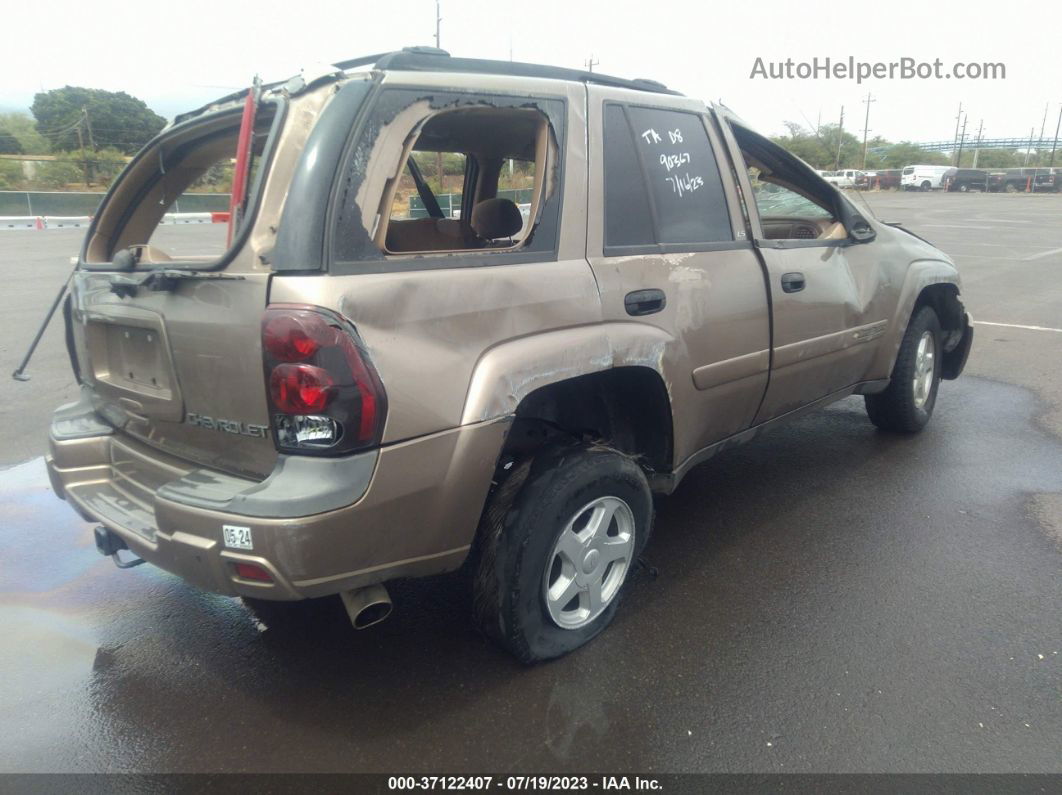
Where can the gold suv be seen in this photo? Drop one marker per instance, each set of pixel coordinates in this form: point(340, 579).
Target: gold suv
point(466, 310)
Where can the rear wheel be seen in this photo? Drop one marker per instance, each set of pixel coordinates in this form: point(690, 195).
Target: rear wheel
point(926, 185)
point(555, 556)
point(907, 404)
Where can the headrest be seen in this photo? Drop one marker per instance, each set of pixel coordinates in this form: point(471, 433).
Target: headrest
point(495, 218)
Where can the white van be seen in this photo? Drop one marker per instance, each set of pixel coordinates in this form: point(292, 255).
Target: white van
point(923, 177)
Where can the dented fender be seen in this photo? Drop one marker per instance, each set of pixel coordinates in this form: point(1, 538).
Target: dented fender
point(921, 273)
point(510, 371)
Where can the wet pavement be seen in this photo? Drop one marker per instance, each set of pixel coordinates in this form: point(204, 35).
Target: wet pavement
point(828, 598)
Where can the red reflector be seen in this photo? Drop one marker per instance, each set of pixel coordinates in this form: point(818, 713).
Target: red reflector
point(252, 571)
point(300, 388)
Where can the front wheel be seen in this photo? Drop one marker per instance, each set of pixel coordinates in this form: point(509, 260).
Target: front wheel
point(554, 558)
point(926, 185)
point(907, 404)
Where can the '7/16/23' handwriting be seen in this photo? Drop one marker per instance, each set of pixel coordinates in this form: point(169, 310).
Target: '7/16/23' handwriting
point(681, 184)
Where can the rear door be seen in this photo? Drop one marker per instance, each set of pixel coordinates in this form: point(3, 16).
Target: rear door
point(668, 248)
point(166, 313)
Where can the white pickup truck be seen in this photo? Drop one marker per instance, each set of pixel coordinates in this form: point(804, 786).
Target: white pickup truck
point(923, 177)
point(846, 178)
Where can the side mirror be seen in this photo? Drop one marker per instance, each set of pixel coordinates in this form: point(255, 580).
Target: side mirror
point(859, 230)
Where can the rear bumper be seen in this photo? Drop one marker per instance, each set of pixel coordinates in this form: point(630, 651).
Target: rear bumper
point(409, 509)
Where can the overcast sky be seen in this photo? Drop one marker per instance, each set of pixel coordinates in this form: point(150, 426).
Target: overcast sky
point(178, 54)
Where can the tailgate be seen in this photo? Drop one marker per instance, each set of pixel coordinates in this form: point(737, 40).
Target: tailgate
point(180, 369)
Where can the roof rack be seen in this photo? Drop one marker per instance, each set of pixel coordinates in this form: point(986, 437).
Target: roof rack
point(431, 59)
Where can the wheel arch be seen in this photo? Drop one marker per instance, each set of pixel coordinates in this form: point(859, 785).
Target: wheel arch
point(929, 282)
point(627, 408)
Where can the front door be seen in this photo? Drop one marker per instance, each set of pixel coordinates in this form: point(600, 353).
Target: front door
point(825, 300)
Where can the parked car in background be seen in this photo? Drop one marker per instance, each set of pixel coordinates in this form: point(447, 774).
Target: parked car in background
point(966, 179)
point(350, 395)
point(884, 179)
point(846, 178)
point(923, 177)
point(1018, 180)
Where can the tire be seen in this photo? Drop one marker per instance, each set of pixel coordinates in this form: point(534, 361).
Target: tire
point(926, 185)
point(521, 549)
point(963, 187)
point(1010, 187)
point(907, 404)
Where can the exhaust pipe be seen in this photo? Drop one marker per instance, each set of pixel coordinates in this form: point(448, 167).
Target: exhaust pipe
point(366, 606)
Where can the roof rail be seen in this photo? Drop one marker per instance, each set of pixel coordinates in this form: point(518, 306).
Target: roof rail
point(432, 59)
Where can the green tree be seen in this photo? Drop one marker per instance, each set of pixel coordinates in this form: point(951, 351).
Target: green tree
point(906, 153)
point(819, 148)
point(109, 119)
point(19, 136)
point(992, 158)
point(10, 174)
point(59, 173)
point(9, 144)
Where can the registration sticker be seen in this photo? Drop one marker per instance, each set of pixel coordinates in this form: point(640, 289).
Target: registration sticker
point(237, 537)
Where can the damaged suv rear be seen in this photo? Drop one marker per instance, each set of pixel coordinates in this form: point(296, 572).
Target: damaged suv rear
point(364, 375)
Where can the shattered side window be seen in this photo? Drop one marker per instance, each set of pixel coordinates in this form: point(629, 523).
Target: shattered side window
point(451, 175)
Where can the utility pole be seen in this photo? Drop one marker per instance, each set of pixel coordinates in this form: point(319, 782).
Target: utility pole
point(88, 127)
point(977, 146)
point(590, 63)
point(1042, 125)
point(957, 150)
point(81, 146)
point(1028, 151)
point(90, 170)
point(866, 128)
point(1054, 145)
point(840, 138)
point(962, 139)
point(438, 19)
point(958, 118)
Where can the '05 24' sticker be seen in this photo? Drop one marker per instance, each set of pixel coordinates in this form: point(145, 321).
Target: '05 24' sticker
point(237, 537)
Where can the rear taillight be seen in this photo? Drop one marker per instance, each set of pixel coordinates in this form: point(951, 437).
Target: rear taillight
point(324, 395)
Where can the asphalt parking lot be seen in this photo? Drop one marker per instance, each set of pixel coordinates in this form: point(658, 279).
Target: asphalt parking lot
point(828, 598)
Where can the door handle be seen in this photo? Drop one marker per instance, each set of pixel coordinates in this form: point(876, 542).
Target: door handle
point(644, 302)
point(792, 282)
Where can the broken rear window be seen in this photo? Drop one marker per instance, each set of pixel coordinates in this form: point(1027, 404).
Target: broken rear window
point(170, 208)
